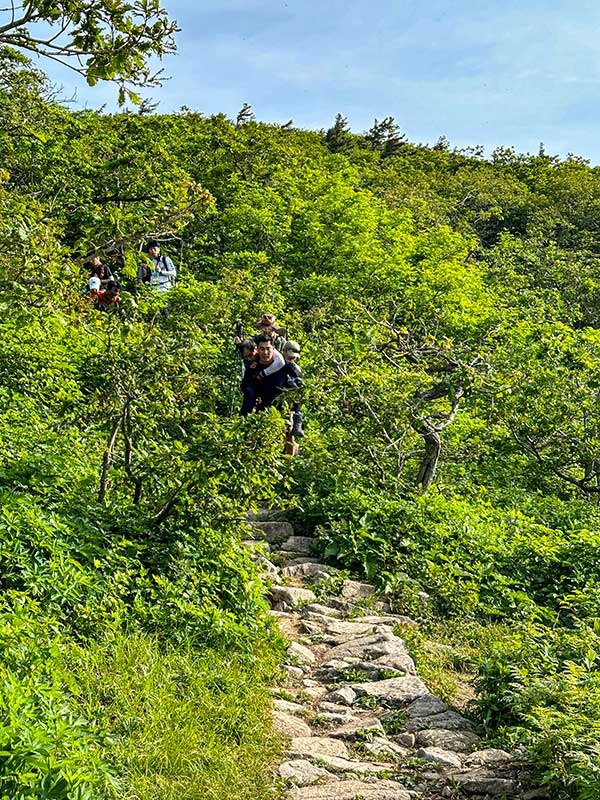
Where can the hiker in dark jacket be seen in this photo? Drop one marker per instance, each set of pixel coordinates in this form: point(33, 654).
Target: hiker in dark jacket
point(261, 382)
point(96, 269)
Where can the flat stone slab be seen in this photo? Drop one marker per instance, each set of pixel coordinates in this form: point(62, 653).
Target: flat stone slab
point(321, 610)
point(309, 746)
point(287, 706)
point(449, 720)
point(369, 648)
point(272, 531)
point(401, 664)
point(290, 726)
point(435, 755)
point(302, 653)
point(488, 758)
point(349, 765)
point(297, 544)
point(307, 569)
point(359, 729)
point(291, 595)
point(355, 590)
point(350, 790)
point(303, 773)
point(380, 746)
point(393, 691)
point(483, 781)
point(457, 741)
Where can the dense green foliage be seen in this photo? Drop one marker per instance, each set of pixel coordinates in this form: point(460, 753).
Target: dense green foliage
point(448, 310)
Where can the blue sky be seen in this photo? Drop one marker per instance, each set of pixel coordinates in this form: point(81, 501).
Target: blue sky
point(481, 73)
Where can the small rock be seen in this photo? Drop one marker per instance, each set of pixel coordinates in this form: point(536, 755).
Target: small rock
point(301, 653)
point(291, 595)
point(290, 726)
point(350, 790)
point(457, 741)
point(435, 755)
point(346, 696)
point(360, 729)
point(426, 706)
point(317, 746)
point(302, 773)
point(354, 590)
point(405, 740)
point(293, 672)
point(487, 758)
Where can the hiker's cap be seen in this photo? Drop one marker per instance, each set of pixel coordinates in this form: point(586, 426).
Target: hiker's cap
point(95, 283)
point(268, 321)
point(291, 347)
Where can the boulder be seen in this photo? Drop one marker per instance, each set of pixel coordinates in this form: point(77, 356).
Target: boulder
point(380, 746)
point(426, 706)
point(297, 544)
point(487, 758)
point(301, 653)
point(306, 569)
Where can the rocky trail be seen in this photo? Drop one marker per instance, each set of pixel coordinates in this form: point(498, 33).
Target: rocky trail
point(360, 722)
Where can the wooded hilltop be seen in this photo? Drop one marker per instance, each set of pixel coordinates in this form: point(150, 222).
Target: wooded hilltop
point(448, 310)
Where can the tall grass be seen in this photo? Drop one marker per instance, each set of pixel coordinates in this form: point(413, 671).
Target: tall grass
point(184, 725)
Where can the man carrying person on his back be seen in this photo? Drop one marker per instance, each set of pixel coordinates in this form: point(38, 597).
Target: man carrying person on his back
point(109, 297)
point(265, 387)
point(256, 372)
point(156, 270)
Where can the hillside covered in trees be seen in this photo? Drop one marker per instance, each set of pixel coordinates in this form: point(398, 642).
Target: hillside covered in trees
point(448, 308)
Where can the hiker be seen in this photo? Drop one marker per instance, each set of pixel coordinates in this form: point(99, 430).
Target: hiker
point(109, 297)
point(99, 270)
point(156, 270)
point(294, 380)
point(261, 385)
point(269, 326)
point(257, 371)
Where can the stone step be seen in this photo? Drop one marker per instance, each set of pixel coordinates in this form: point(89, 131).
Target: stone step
point(273, 532)
point(350, 790)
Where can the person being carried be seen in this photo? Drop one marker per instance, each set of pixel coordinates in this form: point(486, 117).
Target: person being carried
point(294, 380)
point(256, 372)
point(156, 270)
point(109, 297)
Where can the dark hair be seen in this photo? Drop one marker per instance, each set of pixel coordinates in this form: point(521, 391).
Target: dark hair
point(113, 285)
point(261, 338)
point(249, 344)
point(152, 243)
